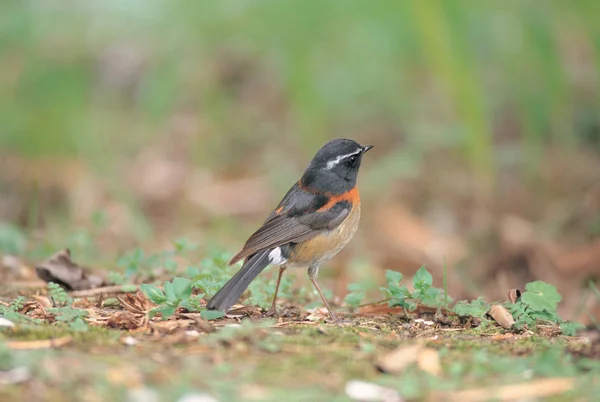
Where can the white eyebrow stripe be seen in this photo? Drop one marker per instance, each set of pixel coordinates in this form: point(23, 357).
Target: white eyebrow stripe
point(332, 163)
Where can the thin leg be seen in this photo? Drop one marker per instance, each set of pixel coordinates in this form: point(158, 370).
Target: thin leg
point(312, 274)
point(273, 309)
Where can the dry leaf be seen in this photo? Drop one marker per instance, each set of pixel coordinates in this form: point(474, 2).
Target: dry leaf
point(169, 327)
point(59, 268)
point(502, 316)
point(42, 300)
point(125, 320)
point(318, 314)
point(513, 295)
point(125, 375)
point(428, 360)
point(137, 304)
point(399, 359)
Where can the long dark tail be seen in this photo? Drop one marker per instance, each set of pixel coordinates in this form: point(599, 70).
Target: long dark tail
point(230, 293)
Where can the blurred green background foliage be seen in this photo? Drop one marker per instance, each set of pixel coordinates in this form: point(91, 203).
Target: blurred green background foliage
point(79, 77)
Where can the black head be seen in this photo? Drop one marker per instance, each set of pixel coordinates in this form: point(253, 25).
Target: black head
point(335, 166)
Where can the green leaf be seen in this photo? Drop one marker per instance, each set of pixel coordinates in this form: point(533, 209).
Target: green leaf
point(131, 262)
point(67, 313)
point(354, 299)
point(541, 296)
point(129, 288)
point(569, 328)
point(183, 245)
point(169, 289)
point(474, 308)
point(354, 287)
point(393, 277)
point(79, 325)
point(432, 297)
point(432, 294)
point(154, 294)
point(422, 279)
point(192, 303)
point(400, 292)
point(544, 315)
point(165, 311)
point(182, 288)
point(59, 295)
point(516, 309)
point(396, 303)
point(116, 278)
point(211, 314)
point(192, 272)
point(170, 266)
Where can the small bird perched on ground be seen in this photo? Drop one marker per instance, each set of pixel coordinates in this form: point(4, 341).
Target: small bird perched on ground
point(315, 220)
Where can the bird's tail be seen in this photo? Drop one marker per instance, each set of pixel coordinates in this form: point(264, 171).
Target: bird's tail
point(230, 293)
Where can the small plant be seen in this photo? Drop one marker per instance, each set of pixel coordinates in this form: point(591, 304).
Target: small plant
point(58, 294)
point(539, 303)
point(136, 262)
point(215, 271)
point(11, 312)
point(424, 292)
point(356, 295)
point(17, 304)
point(132, 262)
point(66, 313)
point(184, 245)
point(169, 297)
point(175, 294)
point(474, 308)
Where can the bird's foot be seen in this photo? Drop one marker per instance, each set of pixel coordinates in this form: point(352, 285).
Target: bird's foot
point(272, 312)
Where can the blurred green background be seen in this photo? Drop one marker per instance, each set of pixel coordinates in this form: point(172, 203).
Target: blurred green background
point(176, 117)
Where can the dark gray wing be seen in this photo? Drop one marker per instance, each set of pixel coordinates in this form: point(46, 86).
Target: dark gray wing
point(296, 219)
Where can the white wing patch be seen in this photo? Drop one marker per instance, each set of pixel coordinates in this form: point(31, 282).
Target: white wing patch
point(332, 163)
point(276, 258)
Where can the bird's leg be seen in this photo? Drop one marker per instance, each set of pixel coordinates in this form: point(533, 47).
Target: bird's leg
point(312, 274)
point(273, 309)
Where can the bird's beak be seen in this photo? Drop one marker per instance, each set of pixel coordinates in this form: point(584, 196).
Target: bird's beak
point(366, 148)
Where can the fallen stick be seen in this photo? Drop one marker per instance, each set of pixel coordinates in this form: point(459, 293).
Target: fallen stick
point(39, 344)
point(104, 290)
point(534, 389)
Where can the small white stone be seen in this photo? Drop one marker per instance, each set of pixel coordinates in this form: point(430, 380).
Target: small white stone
point(197, 397)
point(6, 323)
point(130, 341)
point(15, 375)
point(367, 391)
point(142, 394)
point(11, 262)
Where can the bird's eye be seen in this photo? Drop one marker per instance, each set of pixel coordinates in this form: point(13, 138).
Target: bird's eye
point(352, 160)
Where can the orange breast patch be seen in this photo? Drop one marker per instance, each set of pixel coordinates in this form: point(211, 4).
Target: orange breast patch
point(351, 196)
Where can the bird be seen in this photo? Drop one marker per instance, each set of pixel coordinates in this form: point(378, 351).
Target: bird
point(313, 222)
